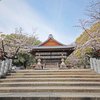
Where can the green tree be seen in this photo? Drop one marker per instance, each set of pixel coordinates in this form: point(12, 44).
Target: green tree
point(14, 41)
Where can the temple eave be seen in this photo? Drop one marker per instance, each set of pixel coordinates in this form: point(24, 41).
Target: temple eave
point(53, 48)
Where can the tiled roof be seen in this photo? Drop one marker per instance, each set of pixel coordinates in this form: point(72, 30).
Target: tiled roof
point(53, 47)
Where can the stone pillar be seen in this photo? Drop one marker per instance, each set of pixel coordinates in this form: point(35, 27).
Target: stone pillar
point(2, 68)
point(10, 65)
point(6, 66)
point(62, 65)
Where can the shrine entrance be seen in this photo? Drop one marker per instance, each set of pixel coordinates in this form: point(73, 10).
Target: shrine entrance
point(50, 63)
point(51, 53)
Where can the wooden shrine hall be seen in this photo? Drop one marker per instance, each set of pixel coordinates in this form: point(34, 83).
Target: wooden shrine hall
point(51, 53)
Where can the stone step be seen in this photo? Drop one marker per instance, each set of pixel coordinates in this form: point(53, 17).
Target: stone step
point(53, 76)
point(51, 89)
point(48, 79)
point(23, 84)
point(50, 96)
point(55, 73)
point(57, 70)
point(70, 84)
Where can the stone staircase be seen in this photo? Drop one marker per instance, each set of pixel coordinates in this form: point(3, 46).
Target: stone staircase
point(66, 84)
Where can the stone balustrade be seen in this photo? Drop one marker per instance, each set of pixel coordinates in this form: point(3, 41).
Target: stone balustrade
point(5, 67)
point(95, 64)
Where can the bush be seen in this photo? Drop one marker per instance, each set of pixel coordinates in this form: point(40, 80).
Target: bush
point(24, 59)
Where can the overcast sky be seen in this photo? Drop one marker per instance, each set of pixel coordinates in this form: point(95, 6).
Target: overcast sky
point(57, 17)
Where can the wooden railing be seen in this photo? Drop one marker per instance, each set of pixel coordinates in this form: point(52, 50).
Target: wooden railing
point(50, 57)
point(51, 53)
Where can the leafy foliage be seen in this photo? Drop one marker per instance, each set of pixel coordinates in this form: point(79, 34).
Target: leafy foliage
point(86, 46)
point(24, 59)
point(78, 53)
point(25, 42)
point(94, 31)
point(12, 41)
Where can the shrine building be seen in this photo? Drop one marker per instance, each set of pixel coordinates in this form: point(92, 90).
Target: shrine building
point(51, 52)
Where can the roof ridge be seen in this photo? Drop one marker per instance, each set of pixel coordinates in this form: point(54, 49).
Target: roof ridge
point(51, 37)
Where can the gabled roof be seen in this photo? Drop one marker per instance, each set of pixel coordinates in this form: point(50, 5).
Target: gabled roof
point(51, 42)
point(52, 45)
